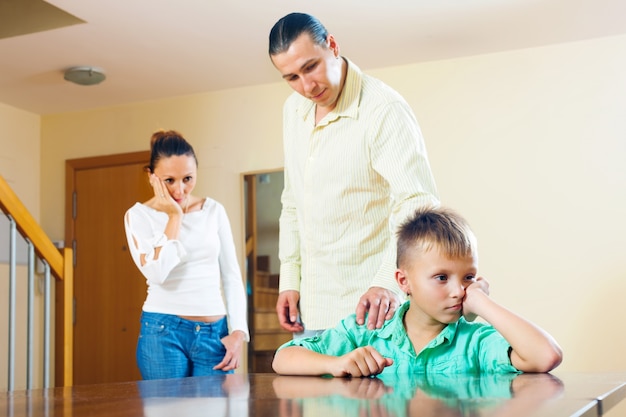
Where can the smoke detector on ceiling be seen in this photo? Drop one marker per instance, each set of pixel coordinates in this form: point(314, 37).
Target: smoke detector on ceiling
point(85, 75)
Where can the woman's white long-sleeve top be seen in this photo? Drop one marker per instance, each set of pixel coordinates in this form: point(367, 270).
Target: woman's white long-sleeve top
point(196, 275)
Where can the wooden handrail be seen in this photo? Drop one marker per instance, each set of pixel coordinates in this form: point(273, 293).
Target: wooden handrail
point(26, 224)
point(61, 267)
point(64, 329)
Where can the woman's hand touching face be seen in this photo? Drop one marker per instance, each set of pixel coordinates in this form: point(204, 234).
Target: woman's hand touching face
point(163, 201)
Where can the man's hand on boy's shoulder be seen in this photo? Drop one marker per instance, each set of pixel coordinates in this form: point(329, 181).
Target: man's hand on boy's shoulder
point(380, 304)
point(481, 284)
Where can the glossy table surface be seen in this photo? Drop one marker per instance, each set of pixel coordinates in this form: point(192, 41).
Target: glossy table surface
point(533, 395)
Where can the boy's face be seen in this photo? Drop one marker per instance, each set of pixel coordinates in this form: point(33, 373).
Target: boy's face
point(437, 284)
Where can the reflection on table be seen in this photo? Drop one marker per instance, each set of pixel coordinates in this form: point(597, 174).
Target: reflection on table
point(222, 396)
point(239, 395)
point(425, 395)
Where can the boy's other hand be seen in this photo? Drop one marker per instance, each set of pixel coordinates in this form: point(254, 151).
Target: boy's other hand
point(363, 361)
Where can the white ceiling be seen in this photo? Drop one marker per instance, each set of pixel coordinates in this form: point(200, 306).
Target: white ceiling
point(152, 49)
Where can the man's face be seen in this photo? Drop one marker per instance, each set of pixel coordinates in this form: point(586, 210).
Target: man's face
point(313, 70)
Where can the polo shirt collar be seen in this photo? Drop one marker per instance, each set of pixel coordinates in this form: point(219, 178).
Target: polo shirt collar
point(350, 97)
point(348, 102)
point(394, 329)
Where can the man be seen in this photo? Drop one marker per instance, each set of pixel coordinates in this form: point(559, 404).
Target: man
point(355, 168)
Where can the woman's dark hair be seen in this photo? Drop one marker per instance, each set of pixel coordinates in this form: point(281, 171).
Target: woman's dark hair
point(290, 27)
point(166, 143)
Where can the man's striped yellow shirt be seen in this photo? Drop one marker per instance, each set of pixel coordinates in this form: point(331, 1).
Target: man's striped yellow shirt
point(350, 181)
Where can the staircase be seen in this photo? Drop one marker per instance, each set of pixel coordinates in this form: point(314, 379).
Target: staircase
point(46, 275)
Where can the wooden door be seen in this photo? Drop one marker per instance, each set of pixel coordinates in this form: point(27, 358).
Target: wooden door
point(109, 290)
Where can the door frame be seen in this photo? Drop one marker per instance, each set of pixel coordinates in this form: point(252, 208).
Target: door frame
point(250, 240)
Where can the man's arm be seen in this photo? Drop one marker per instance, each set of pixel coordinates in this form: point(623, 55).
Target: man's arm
point(289, 256)
point(399, 156)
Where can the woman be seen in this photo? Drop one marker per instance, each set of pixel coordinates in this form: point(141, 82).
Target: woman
point(183, 246)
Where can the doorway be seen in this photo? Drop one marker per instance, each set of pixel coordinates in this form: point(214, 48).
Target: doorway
point(109, 290)
point(262, 191)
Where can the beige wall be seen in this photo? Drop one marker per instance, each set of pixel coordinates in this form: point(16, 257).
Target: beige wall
point(19, 166)
point(529, 145)
point(20, 154)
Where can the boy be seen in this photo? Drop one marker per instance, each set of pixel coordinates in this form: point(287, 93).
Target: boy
point(437, 261)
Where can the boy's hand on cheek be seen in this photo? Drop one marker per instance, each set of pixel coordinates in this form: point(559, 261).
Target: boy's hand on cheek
point(473, 293)
point(482, 283)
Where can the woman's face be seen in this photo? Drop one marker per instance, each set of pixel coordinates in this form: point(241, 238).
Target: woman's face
point(179, 175)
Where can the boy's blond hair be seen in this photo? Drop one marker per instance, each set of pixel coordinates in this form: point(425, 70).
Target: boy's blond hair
point(435, 227)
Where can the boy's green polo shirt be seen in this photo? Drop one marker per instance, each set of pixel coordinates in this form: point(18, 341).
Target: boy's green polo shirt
point(461, 347)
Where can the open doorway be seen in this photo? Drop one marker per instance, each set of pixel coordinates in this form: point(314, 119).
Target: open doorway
point(262, 191)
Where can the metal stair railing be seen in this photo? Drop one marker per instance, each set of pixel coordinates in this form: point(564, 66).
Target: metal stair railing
point(43, 263)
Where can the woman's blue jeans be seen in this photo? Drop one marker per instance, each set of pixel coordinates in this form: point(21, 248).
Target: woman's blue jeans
point(172, 347)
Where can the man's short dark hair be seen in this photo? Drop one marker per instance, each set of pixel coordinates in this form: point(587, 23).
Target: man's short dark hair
point(290, 27)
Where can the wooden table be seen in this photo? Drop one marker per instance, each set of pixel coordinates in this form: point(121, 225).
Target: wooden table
point(240, 395)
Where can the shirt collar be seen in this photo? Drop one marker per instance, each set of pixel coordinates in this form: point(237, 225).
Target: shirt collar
point(394, 329)
point(447, 334)
point(350, 97)
point(348, 102)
